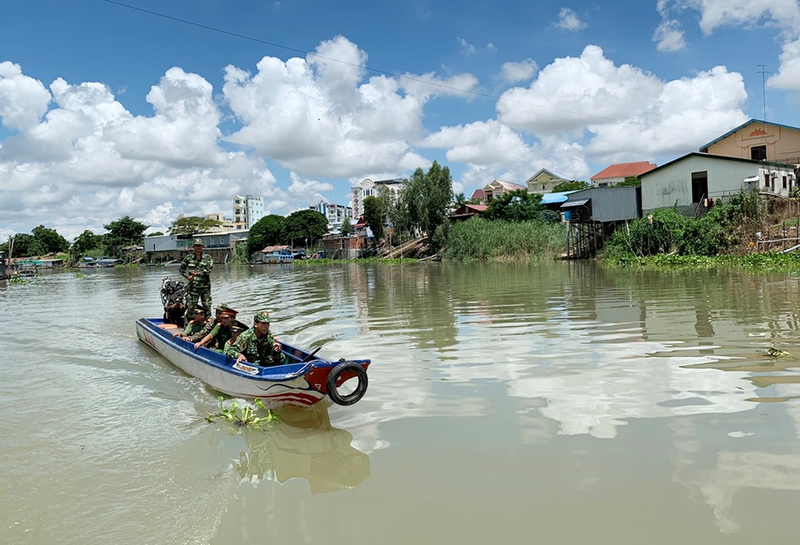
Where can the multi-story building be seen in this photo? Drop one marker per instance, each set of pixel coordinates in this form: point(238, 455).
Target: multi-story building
point(370, 188)
point(225, 224)
point(335, 214)
point(247, 210)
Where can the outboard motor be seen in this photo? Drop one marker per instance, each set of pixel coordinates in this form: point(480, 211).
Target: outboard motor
point(172, 292)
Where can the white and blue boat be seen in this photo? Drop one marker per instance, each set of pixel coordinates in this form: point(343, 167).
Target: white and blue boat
point(305, 380)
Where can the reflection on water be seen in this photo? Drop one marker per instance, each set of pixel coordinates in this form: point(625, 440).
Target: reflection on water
point(301, 444)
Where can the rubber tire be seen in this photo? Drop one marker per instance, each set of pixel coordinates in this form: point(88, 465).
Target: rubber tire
point(356, 394)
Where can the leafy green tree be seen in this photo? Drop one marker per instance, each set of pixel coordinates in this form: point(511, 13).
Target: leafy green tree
point(23, 245)
point(155, 234)
point(267, 231)
point(84, 243)
point(438, 194)
point(375, 216)
point(190, 225)
point(425, 199)
point(307, 226)
point(347, 227)
point(574, 185)
point(518, 205)
point(48, 241)
point(123, 232)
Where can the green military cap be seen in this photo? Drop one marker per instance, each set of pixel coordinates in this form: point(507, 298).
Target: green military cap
point(222, 306)
point(262, 316)
point(199, 309)
point(198, 242)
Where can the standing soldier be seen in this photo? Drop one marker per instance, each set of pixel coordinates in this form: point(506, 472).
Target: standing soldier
point(196, 268)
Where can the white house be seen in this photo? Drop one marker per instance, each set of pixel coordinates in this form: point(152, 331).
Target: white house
point(696, 177)
point(372, 188)
point(335, 214)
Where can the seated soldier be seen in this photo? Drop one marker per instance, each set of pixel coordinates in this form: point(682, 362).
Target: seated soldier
point(220, 334)
point(220, 308)
point(257, 345)
point(195, 325)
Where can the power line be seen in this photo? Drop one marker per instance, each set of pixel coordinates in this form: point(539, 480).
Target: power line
point(399, 76)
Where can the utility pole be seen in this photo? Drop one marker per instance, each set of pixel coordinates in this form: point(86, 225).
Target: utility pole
point(761, 69)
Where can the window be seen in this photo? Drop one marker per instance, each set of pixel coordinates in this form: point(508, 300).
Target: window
point(784, 182)
point(766, 179)
point(758, 153)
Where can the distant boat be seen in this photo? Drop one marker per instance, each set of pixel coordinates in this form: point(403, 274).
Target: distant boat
point(106, 262)
point(276, 254)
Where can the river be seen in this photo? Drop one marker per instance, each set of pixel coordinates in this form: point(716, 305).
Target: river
point(553, 403)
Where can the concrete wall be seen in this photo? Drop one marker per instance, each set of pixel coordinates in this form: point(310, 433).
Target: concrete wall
point(672, 183)
point(782, 143)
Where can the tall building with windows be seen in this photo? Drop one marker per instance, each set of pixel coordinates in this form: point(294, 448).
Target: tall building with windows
point(335, 214)
point(370, 188)
point(247, 210)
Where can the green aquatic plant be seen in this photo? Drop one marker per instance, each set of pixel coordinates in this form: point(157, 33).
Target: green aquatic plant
point(244, 415)
point(773, 352)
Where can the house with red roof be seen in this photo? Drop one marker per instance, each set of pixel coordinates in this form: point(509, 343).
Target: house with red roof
point(614, 174)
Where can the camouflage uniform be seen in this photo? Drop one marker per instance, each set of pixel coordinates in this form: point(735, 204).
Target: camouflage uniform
point(198, 290)
point(258, 350)
point(219, 336)
point(209, 325)
point(193, 328)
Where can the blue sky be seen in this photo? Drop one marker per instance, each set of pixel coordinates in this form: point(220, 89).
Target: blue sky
point(153, 109)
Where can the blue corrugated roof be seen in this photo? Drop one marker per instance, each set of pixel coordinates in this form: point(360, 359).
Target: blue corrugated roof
point(552, 198)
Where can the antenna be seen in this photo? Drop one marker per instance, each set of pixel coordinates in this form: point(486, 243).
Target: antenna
point(761, 69)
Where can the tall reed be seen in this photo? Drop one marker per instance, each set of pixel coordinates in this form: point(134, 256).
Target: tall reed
point(483, 240)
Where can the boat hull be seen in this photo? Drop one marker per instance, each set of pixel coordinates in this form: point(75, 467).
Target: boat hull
point(300, 383)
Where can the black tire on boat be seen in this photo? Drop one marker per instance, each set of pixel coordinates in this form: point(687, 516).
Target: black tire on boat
point(333, 378)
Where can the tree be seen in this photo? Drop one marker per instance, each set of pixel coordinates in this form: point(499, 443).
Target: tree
point(306, 225)
point(437, 196)
point(347, 228)
point(85, 242)
point(48, 241)
point(189, 225)
point(574, 185)
point(375, 216)
point(155, 234)
point(426, 197)
point(265, 232)
point(124, 232)
point(23, 245)
point(518, 205)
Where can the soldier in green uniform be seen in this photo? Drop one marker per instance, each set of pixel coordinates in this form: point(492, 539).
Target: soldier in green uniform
point(197, 324)
point(220, 334)
point(196, 269)
point(210, 323)
point(257, 345)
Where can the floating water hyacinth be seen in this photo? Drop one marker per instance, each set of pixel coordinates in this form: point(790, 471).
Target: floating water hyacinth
point(773, 352)
point(244, 415)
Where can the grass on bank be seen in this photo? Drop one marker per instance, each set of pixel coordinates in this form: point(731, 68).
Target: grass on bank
point(482, 240)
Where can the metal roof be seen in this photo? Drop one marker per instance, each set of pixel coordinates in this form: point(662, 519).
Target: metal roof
point(572, 204)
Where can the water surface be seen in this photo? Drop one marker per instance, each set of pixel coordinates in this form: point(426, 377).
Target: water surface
point(559, 403)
